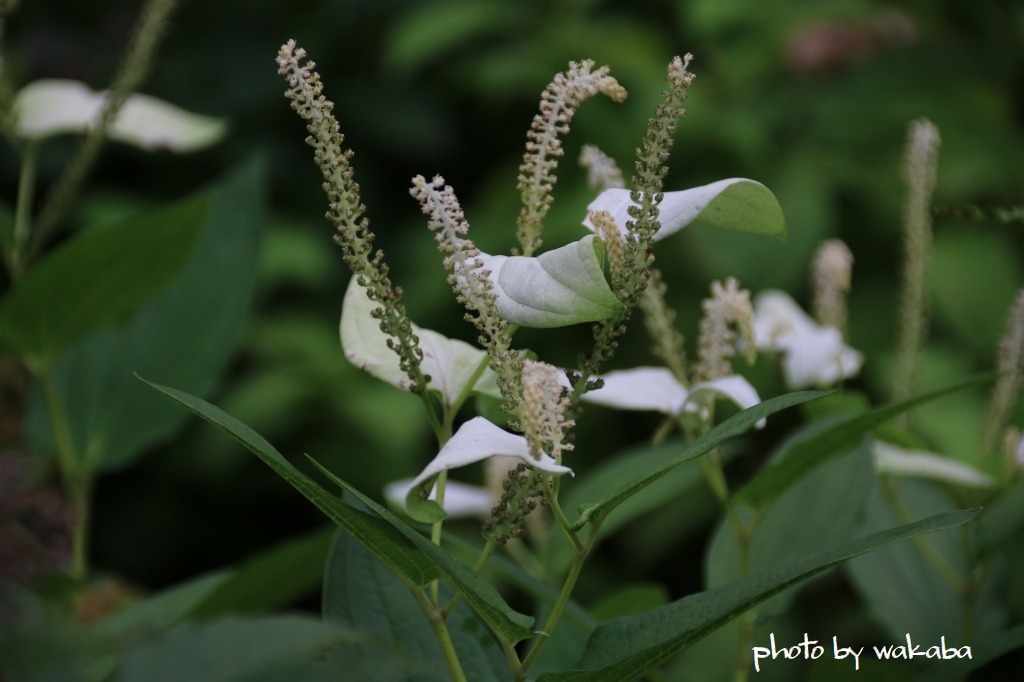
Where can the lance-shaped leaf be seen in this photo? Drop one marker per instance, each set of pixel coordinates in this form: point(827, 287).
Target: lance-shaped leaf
point(558, 288)
point(806, 455)
point(451, 364)
point(381, 532)
point(734, 204)
point(626, 648)
point(735, 425)
point(476, 440)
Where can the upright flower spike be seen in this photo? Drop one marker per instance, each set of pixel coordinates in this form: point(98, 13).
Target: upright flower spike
point(559, 102)
point(345, 209)
point(727, 309)
point(1010, 358)
point(921, 163)
point(831, 273)
point(545, 408)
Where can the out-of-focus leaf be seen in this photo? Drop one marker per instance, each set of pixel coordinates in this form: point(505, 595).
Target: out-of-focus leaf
point(186, 335)
point(234, 650)
point(97, 279)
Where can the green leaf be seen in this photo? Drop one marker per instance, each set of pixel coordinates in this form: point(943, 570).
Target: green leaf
point(804, 457)
point(837, 492)
point(272, 579)
point(558, 288)
point(914, 597)
point(410, 564)
point(235, 650)
point(97, 279)
point(413, 557)
point(508, 624)
point(360, 592)
point(423, 33)
point(735, 425)
point(185, 336)
point(626, 648)
point(734, 204)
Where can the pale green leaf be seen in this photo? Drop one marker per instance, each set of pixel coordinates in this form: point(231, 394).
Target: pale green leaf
point(734, 204)
point(451, 364)
point(560, 287)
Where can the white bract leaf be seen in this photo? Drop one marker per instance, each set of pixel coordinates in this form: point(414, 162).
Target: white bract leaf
point(558, 288)
point(51, 107)
point(733, 204)
point(890, 459)
point(475, 441)
point(460, 499)
point(812, 355)
point(450, 363)
point(657, 389)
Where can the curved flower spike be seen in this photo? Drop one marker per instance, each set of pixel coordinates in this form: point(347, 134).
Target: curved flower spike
point(657, 389)
point(812, 355)
point(476, 440)
point(733, 204)
point(51, 107)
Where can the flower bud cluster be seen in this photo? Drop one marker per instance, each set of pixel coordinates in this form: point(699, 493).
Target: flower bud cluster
point(521, 493)
point(545, 410)
point(602, 171)
point(345, 209)
point(728, 308)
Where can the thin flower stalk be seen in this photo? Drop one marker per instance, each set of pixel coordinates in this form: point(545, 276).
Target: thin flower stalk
point(831, 274)
point(1010, 359)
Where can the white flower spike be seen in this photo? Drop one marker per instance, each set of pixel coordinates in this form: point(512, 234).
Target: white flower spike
point(812, 355)
point(51, 107)
point(475, 441)
point(657, 389)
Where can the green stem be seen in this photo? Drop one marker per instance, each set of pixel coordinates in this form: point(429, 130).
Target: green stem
point(437, 623)
point(23, 212)
point(923, 542)
point(77, 481)
point(580, 556)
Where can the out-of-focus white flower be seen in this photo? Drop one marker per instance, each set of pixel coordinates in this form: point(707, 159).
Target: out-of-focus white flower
point(51, 107)
point(657, 389)
point(890, 459)
point(812, 355)
point(475, 441)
